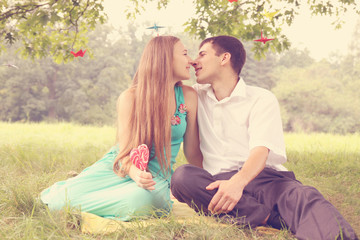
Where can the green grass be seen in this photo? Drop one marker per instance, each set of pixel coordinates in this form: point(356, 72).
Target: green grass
point(331, 163)
point(33, 156)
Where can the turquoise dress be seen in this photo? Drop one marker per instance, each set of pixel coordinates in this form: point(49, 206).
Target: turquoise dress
point(98, 190)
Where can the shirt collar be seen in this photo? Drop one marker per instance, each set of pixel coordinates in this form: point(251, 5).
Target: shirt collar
point(239, 91)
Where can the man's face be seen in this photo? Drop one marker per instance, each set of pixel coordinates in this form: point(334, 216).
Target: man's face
point(207, 64)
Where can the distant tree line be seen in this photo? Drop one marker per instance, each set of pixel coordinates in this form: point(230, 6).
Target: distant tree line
point(84, 90)
point(314, 96)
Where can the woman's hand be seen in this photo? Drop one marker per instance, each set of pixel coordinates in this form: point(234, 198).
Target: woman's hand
point(143, 179)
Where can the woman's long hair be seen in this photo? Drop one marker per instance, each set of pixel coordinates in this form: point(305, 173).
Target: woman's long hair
point(150, 121)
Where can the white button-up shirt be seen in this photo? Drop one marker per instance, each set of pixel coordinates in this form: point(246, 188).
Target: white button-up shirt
point(230, 128)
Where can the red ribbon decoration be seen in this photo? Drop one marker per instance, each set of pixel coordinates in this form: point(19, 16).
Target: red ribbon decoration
point(80, 53)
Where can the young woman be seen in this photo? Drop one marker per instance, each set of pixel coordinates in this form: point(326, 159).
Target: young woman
point(157, 110)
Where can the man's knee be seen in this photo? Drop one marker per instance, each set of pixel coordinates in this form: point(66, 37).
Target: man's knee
point(186, 180)
point(182, 176)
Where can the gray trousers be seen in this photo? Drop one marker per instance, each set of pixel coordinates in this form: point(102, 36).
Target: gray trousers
point(305, 211)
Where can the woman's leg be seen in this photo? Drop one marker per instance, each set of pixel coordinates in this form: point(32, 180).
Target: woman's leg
point(100, 191)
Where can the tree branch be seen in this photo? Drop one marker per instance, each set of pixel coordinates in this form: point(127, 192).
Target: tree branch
point(21, 10)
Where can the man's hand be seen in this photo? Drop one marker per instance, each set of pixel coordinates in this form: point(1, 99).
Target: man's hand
point(143, 179)
point(228, 195)
point(230, 191)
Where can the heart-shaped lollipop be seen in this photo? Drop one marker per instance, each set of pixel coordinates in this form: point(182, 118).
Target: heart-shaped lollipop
point(140, 157)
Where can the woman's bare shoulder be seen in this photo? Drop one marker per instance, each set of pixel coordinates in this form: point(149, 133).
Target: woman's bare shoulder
point(190, 97)
point(126, 98)
point(189, 92)
point(127, 95)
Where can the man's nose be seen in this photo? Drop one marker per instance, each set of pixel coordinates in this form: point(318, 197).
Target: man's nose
point(193, 63)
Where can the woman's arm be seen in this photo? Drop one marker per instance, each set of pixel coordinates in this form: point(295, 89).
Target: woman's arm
point(125, 107)
point(191, 139)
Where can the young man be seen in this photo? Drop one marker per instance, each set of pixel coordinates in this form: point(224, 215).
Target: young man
point(241, 139)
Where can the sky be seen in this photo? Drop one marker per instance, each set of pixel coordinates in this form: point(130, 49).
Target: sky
point(315, 33)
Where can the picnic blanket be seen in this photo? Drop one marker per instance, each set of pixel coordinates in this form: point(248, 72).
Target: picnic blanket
point(94, 224)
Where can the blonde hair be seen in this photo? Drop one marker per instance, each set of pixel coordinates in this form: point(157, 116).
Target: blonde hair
point(150, 123)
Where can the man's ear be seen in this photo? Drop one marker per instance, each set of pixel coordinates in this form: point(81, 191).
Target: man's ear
point(225, 58)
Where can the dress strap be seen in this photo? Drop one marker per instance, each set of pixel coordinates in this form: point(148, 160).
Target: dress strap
point(179, 96)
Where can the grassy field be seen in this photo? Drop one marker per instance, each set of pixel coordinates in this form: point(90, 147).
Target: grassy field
point(34, 156)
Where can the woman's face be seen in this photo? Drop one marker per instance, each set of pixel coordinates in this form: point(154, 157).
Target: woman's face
point(181, 62)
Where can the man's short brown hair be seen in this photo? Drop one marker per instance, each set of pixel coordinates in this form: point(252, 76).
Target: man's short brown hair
point(229, 44)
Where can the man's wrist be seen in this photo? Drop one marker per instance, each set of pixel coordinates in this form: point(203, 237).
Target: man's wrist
point(240, 179)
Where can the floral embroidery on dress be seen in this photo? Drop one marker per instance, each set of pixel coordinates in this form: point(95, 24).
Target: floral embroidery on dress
point(175, 120)
point(182, 108)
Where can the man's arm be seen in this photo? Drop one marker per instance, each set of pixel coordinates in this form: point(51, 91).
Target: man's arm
point(191, 138)
point(265, 130)
point(230, 191)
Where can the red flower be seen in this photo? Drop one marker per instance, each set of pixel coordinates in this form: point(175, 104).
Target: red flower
point(140, 157)
point(79, 53)
point(175, 120)
point(182, 108)
point(233, 1)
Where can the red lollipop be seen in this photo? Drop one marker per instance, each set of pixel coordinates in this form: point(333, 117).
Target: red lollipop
point(140, 157)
